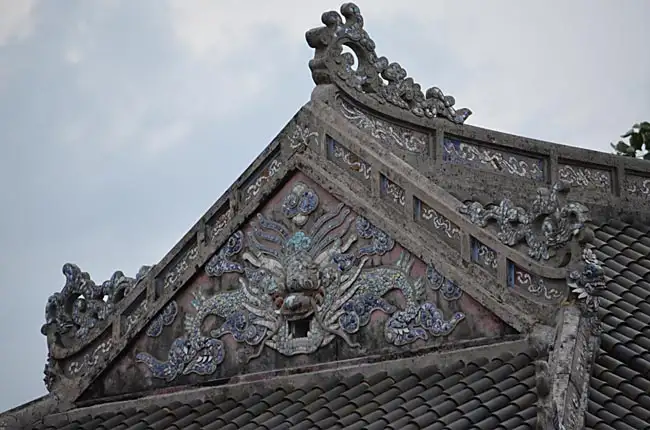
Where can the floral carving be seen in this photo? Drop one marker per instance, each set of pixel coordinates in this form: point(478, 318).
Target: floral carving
point(82, 304)
point(549, 224)
point(386, 83)
point(303, 282)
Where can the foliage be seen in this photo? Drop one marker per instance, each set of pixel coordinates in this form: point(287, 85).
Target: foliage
point(639, 142)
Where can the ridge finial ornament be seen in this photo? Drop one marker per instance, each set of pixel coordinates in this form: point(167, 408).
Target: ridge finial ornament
point(376, 77)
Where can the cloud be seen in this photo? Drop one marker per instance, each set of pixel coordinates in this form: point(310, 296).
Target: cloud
point(16, 20)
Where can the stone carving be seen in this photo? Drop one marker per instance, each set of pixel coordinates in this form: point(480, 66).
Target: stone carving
point(458, 152)
point(637, 185)
point(448, 288)
point(51, 373)
point(549, 224)
point(164, 318)
point(585, 177)
point(386, 83)
point(587, 283)
point(547, 411)
point(439, 222)
point(393, 135)
point(302, 288)
point(81, 305)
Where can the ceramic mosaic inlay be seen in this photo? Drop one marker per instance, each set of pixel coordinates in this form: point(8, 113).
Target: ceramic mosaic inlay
point(269, 171)
point(131, 320)
point(164, 318)
point(522, 280)
point(585, 177)
point(309, 266)
point(437, 223)
point(302, 135)
point(348, 161)
point(182, 264)
point(90, 360)
point(389, 134)
point(391, 191)
point(456, 151)
point(220, 222)
point(484, 256)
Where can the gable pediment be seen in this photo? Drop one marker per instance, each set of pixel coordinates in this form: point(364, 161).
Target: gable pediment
point(353, 170)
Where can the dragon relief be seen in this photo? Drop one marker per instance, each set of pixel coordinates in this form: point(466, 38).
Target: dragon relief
point(299, 289)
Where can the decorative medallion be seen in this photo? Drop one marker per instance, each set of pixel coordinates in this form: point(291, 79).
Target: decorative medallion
point(384, 82)
point(304, 281)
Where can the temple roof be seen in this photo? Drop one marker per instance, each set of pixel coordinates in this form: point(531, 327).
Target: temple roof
point(381, 264)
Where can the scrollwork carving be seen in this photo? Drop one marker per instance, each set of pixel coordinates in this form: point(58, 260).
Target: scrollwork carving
point(376, 77)
point(549, 224)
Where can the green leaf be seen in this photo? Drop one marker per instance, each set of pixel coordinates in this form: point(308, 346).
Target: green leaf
point(636, 141)
point(621, 146)
point(629, 133)
point(644, 126)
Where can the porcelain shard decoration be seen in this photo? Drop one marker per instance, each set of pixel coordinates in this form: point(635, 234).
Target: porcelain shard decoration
point(82, 304)
point(549, 224)
point(448, 288)
point(588, 282)
point(376, 77)
point(164, 318)
point(304, 279)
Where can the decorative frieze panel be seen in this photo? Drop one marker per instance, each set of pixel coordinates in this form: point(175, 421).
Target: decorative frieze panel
point(219, 222)
point(459, 152)
point(549, 225)
point(586, 177)
point(172, 275)
point(254, 185)
point(374, 77)
point(349, 161)
point(638, 186)
point(392, 192)
point(532, 285)
point(302, 135)
point(85, 363)
point(134, 313)
point(164, 318)
point(391, 135)
point(436, 223)
point(484, 256)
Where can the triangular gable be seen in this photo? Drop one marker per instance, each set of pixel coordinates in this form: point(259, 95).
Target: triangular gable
point(379, 157)
point(324, 148)
point(305, 282)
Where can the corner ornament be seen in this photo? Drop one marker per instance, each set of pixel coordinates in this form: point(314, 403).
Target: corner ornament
point(374, 76)
point(587, 283)
point(81, 305)
point(550, 223)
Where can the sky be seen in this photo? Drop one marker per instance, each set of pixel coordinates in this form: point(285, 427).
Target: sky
point(121, 121)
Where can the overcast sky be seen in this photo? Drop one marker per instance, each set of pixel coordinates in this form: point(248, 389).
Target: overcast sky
point(121, 122)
